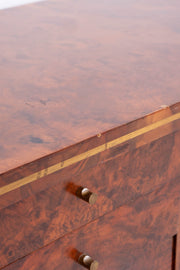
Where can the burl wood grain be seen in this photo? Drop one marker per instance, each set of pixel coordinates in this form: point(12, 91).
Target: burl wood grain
point(72, 69)
point(135, 236)
point(45, 216)
point(43, 179)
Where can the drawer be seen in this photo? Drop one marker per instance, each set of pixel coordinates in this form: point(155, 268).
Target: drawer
point(81, 159)
point(48, 207)
point(119, 176)
point(138, 235)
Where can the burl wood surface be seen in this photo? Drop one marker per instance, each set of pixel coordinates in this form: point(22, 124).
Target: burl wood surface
point(135, 236)
point(36, 176)
point(42, 211)
point(72, 69)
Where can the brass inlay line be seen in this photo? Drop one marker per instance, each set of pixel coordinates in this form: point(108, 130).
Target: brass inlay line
point(63, 164)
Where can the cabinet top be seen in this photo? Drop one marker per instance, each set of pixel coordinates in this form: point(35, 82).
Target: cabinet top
point(73, 69)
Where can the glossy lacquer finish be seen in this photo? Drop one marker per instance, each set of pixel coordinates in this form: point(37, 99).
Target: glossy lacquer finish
point(72, 69)
point(135, 236)
point(116, 146)
point(36, 209)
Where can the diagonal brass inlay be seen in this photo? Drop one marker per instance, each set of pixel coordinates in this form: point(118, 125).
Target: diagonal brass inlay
point(63, 164)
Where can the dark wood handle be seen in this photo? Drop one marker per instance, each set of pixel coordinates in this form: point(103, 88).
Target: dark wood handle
point(88, 262)
point(88, 196)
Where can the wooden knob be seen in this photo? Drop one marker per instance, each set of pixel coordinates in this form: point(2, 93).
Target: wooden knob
point(88, 196)
point(88, 262)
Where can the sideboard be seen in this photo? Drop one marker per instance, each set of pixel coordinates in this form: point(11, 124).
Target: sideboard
point(90, 135)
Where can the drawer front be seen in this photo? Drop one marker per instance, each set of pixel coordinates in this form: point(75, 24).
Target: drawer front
point(81, 159)
point(41, 211)
point(45, 216)
point(135, 236)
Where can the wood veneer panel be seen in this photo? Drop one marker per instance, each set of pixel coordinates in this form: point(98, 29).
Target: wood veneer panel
point(34, 177)
point(45, 216)
point(39, 219)
point(69, 70)
point(135, 236)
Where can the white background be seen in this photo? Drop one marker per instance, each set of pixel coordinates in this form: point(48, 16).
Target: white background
point(14, 3)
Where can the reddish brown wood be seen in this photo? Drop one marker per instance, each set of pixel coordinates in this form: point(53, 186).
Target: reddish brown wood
point(35, 218)
point(97, 160)
point(135, 236)
point(45, 216)
point(69, 70)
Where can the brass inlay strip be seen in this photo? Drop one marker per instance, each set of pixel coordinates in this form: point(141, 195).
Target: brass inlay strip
point(63, 164)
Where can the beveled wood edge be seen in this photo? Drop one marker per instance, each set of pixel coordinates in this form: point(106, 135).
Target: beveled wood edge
point(94, 151)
